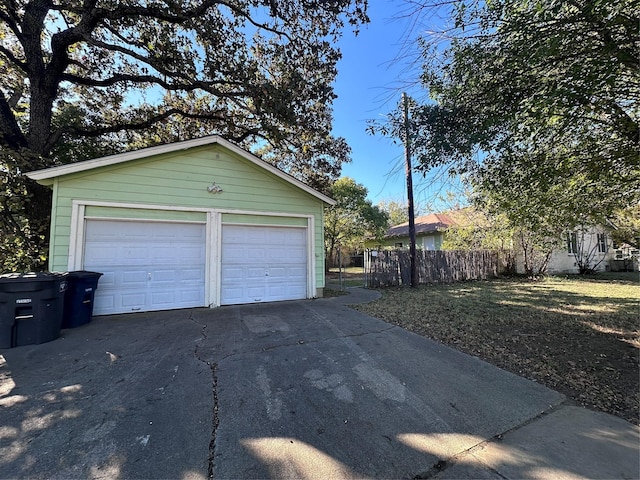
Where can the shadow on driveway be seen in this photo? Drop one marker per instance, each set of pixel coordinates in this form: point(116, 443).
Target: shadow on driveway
point(307, 389)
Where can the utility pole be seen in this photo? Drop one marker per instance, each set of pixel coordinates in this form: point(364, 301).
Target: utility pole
point(412, 223)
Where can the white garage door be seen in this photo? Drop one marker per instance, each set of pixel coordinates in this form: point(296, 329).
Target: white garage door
point(146, 265)
point(263, 264)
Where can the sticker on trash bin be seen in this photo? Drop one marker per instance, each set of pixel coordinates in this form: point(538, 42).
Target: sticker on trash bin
point(23, 300)
point(88, 289)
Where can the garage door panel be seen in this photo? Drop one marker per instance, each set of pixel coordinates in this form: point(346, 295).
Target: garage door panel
point(232, 273)
point(190, 296)
point(232, 253)
point(254, 274)
point(146, 265)
point(189, 253)
point(282, 289)
point(275, 272)
point(165, 276)
point(106, 301)
point(163, 300)
point(131, 278)
point(107, 254)
point(297, 255)
point(232, 294)
point(256, 291)
point(132, 300)
point(262, 264)
point(164, 296)
point(107, 280)
point(277, 254)
point(254, 254)
point(176, 254)
point(192, 275)
point(278, 237)
point(285, 254)
point(166, 255)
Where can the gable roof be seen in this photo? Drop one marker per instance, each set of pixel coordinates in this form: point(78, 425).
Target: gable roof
point(43, 175)
point(425, 224)
point(437, 222)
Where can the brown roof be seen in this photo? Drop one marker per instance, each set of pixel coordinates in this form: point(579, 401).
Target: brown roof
point(437, 222)
point(425, 224)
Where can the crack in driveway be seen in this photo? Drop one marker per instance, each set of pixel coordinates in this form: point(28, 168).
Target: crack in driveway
point(214, 389)
point(215, 421)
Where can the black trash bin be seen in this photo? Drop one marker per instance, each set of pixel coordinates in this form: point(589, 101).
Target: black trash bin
point(78, 302)
point(30, 308)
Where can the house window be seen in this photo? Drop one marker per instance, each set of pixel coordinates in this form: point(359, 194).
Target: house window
point(429, 242)
point(602, 243)
point(572, 242)
point(398, 245)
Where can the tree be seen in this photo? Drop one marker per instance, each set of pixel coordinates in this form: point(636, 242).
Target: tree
point(256, 72)
point(475, 230)
point(25, 206)
point(352, 218)
point(625, 226)
point(396, 211)
point(520, 72)
point(542, 93)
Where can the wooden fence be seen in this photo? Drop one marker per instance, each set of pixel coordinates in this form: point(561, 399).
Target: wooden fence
point(387, 268)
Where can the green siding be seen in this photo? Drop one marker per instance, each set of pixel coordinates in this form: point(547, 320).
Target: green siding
point(390, 242)
point(180, 179)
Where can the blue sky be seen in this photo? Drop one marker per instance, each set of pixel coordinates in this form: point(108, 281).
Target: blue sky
point(372, 74)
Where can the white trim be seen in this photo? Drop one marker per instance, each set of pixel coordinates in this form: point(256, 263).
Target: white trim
point(141, 206)
point(175, 208)
point(54, 172)
point(262, 213)
point(213, 284)
point(209, 261)
point(213, 231)
point(76, 236)
point(129, 219)
point(311, 259)
point(278, 225)
point(217, 229)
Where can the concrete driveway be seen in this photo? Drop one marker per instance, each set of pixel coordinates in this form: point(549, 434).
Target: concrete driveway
point(308, 389)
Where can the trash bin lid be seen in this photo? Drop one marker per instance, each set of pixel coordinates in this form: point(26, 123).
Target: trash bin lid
point(82, 274)
point(29, 277)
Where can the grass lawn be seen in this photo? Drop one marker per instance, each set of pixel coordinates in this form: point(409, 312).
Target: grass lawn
point(580, 336)
point(351, 276)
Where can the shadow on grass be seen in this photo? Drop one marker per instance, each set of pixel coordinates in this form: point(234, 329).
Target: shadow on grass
point(575, 335)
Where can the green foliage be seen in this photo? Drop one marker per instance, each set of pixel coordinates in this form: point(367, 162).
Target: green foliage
point(480, 233)
point(81, 79)
point(352, 218)
point(626, 226)
point(530, 73)
point(22, 238)
point(397, 212)
point(537, 103)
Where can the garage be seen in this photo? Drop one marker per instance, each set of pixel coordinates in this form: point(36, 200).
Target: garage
point(263, 264)
point(198, 223)
point(146, 266)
